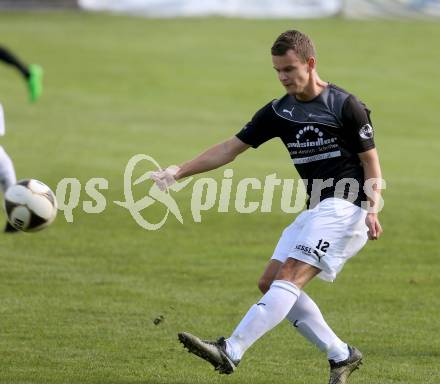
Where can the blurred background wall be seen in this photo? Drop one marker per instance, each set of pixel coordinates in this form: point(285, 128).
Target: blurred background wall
point(244, 8)
point(37, 4)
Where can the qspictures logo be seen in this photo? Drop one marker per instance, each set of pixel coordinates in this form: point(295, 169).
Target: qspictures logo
point(226, 195)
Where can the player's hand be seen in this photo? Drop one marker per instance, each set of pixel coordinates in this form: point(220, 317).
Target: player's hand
point(165, 178)
point(374, 227)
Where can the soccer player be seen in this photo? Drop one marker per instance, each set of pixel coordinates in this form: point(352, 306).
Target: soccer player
point(33, 75)
point(329, 136)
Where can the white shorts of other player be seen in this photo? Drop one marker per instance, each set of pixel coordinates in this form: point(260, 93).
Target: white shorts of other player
point(2, 121)
point(325, 236)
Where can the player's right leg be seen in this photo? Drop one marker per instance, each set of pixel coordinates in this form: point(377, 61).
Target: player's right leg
point(213, 352)
point(305, 314)
point(272, 308)
point(269, 311)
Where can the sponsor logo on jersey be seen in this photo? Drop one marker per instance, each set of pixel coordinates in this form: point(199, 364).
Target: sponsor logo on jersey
point(311, 141)
point(366, 132)
point(316, 138)
point(289, 112)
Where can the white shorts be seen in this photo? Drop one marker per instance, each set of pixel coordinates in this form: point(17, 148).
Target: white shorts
point(325, 236)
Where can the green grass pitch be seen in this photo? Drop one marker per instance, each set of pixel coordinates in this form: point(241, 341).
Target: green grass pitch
point(77, 301)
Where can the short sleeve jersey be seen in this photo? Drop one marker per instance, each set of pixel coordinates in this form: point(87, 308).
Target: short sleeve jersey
point(323, 137)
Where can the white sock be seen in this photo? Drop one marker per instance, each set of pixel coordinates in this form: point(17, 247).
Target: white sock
point(7, 172)
point(307, 318)
point(262, 317)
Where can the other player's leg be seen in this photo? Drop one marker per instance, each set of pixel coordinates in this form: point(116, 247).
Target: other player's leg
point(9, 58)
point(7, 178)
point(33, 74)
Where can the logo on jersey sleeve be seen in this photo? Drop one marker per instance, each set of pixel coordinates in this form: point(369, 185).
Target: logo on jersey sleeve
point(366, 132)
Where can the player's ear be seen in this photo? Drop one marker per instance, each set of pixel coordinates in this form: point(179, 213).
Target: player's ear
point(311, 63)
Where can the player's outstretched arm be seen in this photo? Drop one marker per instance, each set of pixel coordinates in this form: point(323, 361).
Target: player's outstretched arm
point(372, 171)
point(214, 157)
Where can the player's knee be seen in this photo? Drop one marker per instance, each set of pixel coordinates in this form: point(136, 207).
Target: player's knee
point(264, 285)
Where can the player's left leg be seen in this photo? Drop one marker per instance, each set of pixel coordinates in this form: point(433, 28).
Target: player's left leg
point(307, 319)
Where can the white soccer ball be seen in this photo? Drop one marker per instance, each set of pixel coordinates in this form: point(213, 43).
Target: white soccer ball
point(30, 205)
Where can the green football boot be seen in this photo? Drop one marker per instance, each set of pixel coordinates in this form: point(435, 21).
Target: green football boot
point(35, 82)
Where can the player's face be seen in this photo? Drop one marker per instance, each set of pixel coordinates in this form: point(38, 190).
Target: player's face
point(293, 73)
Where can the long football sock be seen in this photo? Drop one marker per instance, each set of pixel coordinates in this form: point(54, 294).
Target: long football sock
point(262, 317)
point(308, 320)
point(7, 172)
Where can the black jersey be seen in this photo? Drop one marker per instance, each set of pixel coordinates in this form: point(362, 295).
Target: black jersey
point(323, 137)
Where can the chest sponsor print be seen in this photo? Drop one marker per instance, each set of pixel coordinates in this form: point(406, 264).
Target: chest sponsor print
point(312, 144)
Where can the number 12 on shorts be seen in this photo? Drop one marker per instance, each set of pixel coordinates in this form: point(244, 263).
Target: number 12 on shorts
point(323, 245)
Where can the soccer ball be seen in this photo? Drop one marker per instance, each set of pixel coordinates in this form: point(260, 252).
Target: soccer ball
point(30, 205)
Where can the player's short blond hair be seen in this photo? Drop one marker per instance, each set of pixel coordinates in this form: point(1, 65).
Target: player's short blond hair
point(297, 41)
